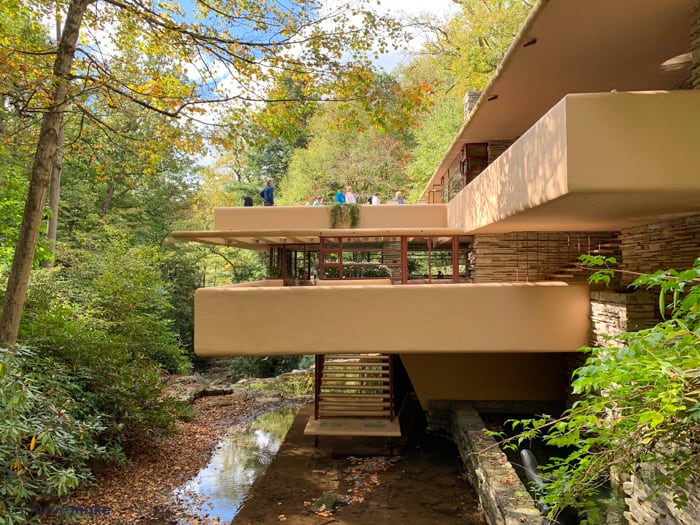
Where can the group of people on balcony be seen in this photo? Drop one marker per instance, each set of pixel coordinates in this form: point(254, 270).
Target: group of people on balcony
point(267, 194)
point(346, 196)
point(343, 196)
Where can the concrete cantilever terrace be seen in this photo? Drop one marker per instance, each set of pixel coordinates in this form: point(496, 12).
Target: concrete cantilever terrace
point(600, 139)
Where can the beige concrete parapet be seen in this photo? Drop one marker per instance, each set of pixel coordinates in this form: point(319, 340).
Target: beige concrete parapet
point(319, 218)
point(597, 161)
point(513, 317)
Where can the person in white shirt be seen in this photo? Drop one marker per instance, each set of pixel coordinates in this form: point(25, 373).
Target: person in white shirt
point(350, 196)
point(376, 199)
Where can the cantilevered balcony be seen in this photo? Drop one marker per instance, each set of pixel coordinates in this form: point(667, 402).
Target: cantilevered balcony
point(267, 319)
point(257, 228)
point(603, 161)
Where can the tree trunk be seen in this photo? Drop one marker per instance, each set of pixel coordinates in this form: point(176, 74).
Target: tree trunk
point(55, 188)
point(40, 176)
point(107, 202)
point(54, 200)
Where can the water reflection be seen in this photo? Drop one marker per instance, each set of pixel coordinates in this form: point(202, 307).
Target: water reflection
point(244, 454)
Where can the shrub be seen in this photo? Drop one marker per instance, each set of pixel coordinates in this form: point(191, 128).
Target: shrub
point(264, 366)
point(48, 436)
point(106, 326)
point(639, 403)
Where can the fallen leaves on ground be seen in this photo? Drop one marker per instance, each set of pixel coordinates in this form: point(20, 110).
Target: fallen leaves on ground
point(363, 475)
point(140, 490)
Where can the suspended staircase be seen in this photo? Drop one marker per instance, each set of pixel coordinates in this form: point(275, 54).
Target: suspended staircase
point(570, 268)
point(354, 396)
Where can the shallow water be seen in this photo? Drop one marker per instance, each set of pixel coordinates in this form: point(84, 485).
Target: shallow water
point(220, 489)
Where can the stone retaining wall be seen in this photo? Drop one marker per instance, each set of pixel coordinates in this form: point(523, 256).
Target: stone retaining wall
point(503, 496)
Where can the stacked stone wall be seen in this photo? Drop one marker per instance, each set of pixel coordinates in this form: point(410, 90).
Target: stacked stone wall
point(502, 495)
point(647, 508)
point(659, 246)
point(534, 256)
point(615, 313)
point(497, 147)
point(469, 103)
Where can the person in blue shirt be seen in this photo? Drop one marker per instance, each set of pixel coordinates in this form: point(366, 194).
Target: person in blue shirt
point(268, 194)
point(340, 196)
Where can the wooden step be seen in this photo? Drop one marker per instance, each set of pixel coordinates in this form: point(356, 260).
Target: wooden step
point(561, 276)
point(343, 395)
point(347, 354)
point(353, 427)
point(326, 389)
point(359, 405)
point(350, 365)
point(355, 371)
point(335, 380)
point(354, 364)
point(370, 357)
point(353, 413)
point(350, 381)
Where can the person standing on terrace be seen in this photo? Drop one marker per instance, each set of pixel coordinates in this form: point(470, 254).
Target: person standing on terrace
point(340, 196)
point(376, 199)
point(350, 196)
point(318, 201)
point(268, 194)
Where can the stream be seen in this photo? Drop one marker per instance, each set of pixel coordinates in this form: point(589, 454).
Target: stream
point(220, 489)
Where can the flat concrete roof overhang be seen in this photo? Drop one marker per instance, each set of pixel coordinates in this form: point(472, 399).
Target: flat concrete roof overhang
point(257, 228)
point(262, 239)
point(259, 319)
point(577, 46)
point(597, 161)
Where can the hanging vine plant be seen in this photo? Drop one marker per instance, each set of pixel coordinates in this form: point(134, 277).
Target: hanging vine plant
point(343, 214)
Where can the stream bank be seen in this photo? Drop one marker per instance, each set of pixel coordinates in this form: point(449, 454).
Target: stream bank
point(422, 483)
point(139, 491)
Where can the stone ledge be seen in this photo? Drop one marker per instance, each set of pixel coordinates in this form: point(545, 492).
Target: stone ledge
point(503, 497)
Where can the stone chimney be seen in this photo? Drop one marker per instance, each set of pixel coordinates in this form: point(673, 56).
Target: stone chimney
point(469, 101)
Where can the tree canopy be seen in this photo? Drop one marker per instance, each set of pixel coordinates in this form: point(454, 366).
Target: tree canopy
point(113, 55)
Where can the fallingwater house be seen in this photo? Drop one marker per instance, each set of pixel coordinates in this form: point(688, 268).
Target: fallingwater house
point(586, 140)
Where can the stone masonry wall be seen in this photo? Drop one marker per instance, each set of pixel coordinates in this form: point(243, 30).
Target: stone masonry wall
point(659, 246)
point(614, 313)
point(534, 256)
point(644, 508)
point(496, 147)
point(469, 102)
point(502, 495)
